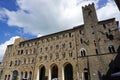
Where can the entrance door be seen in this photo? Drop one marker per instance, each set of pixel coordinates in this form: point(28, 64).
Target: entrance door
point(15, 74)
point(68, 72)
point(42, 73)
point(54, 72)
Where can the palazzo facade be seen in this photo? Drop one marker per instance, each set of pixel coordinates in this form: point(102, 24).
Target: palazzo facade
point(85, 52)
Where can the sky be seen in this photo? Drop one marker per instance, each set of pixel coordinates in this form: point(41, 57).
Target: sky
point(34, 18)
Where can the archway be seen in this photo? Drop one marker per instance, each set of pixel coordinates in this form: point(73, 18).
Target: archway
point(68, 72)
point(54, 72)
point(42, 73)
point(15, 74)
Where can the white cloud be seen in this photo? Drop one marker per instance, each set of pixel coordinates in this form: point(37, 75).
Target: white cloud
point(109, 10)
point(39, 35)
point(47, 16)
point(4, 45)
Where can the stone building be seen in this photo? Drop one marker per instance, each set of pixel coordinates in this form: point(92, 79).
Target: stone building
point(84, 52)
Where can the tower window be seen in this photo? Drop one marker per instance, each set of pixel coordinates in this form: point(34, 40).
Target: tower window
point(94, 42)
point(111, 49)
point(81, 40)
point(83, 53)
point(96, 50)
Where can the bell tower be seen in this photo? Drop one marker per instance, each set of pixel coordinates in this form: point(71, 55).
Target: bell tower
point(89, 14)
point(90, 29)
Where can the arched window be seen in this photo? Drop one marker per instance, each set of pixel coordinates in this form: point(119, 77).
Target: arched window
point(30, 75)
point(111, 49)
point(24, 61)
point(107, 35)
point(68, 72)
point(63, 55)
point(42, 73)
point(51, 56)
point(26, 75)
point(30, 51)
point(21, 51)
point(15, 62)
point(32, 60)
point(83, 53)
point(34, 50)
point(8, 77)
point(15, 74)
point(70, 53)
point(54, 72)
point(10, 63)
point(26, 52)
point(19, 62)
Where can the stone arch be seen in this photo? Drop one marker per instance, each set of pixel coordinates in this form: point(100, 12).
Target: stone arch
point(54, 71)
point(15, 74)
point(82, 52)
point(42, 71)
point(67, 71)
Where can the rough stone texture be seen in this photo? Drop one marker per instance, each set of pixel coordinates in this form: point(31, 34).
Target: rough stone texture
point(85, 47)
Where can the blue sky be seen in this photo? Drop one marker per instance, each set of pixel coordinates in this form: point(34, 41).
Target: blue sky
point(33, 18)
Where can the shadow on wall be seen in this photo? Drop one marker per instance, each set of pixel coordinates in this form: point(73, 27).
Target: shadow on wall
point(114, 68)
